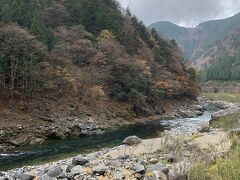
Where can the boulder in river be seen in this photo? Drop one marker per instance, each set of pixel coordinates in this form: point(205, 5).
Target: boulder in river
point(132, 140)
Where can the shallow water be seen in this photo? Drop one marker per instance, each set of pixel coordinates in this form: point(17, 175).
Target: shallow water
point(60, 149)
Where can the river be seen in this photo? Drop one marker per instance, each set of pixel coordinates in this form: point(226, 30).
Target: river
point(60, 149)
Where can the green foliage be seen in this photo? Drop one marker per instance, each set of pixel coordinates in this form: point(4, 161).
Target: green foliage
point(226, 69)
point(162, 53)
point(96, 15)
point(136, 97)
point(158, 93)
point(91, 33)
point(141, 30)
point(26, 13)
point(129, 83)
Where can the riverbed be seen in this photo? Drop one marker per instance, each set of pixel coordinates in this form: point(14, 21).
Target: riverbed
point(60, 149)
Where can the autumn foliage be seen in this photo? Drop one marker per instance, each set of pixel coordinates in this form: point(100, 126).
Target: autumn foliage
point(98, 55)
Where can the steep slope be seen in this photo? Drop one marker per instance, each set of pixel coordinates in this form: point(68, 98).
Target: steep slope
point(201, 37)
point(169, 30)
point(222, 61)
point(70, 66)
point(218, 29)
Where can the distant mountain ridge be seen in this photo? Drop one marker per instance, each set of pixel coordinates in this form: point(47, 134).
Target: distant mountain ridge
point(194, 41)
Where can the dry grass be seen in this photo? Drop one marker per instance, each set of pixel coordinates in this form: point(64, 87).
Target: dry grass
point(228, 97)
point(227, 168)
point(227, 122)
point(224, 168)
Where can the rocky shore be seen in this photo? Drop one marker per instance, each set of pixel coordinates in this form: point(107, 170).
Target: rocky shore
point(18, 136)
point(168, 157)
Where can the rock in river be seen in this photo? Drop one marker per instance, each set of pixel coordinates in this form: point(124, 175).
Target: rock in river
point(132, 140)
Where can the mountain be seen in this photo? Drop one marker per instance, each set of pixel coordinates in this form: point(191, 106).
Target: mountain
point(170, 30)
point(194, 41)
point(222, 60)
point(67, 65)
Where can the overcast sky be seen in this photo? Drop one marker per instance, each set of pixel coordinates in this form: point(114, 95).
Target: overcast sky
point(182, 12)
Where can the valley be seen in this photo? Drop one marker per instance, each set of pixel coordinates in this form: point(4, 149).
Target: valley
point(89, 92)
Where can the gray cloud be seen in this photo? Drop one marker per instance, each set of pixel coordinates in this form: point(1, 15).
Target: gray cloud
point(182, 12)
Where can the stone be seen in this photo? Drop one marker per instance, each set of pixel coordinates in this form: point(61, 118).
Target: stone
point(77, 170)
point(138, 176)
point(19, 141)
point(45, 177)
point(132, 140)
point(55, 171)
point(123, 157)
point(69, 167)
point(139, 168)
point(115, 163)
point(42, 172)
point(204, 128)
point(155, 175)
point(65, 175)
point(157, 167)
point(127, 165)
point(3, 178)
point(103, 178)
point(88, 170)
point(118, 175)
point(143, 162)
point(153, 161)
point(80, 177)
point(36, 140)
point(100, 169)
point(79, 160)
point(25, 177)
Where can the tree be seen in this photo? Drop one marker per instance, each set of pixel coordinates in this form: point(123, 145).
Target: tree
point(20, 58)
point(55, 15)
point(27, 14)
point(73, 46)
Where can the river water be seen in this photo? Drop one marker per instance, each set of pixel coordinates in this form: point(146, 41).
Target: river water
point(60, 149)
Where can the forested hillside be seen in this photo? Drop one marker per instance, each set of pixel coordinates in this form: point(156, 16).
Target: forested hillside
point(222, 61)
point(81, 58)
